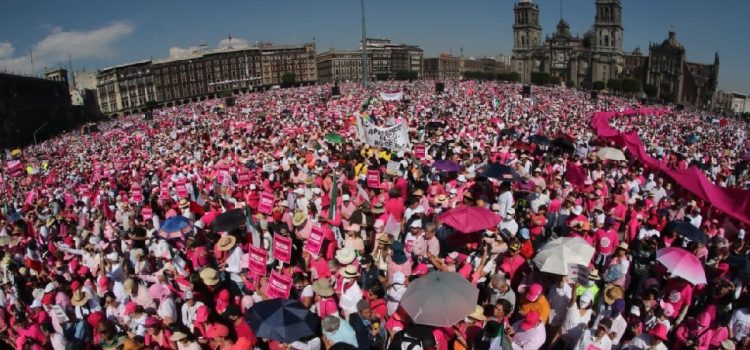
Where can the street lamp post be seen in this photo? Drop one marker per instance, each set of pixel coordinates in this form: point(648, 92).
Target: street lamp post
point(364, 45)
point(37, 130)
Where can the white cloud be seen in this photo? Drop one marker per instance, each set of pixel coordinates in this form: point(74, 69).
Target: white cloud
point(6, 50)
point(236, 43)
point(59, 44)
point(178, 52)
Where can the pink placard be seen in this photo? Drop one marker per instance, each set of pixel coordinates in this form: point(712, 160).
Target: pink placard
point(279, 286)
point(243, 178)
point(419, 151)
point(147, 213)
point(265, 205)
point(315, 240)
point(282, 248)
point(181, 190)
point(257, 262)
point(373, 178)
point(409, 246)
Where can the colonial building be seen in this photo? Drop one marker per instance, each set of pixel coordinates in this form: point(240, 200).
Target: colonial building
point(678, 80)
point(384, 61)
point(596, 57)
point(203, 74)
point(125, 88)
point(443, 67)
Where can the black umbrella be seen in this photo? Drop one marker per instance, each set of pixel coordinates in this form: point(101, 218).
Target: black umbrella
point(687, 230)
point(501, 172)
point(539, 140)
point(739, 265)
point(282, 319)
point(435, 125)
point(229, 220)
point(563, 144)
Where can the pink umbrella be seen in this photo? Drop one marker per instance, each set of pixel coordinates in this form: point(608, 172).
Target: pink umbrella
point(470, 219)
point(681, 263)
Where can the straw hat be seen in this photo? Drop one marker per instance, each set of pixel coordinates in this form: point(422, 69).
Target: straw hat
point(478, 313)
point(226, 242)
point(350, 271)
point(613, 292)
point(309, 180)
point(184, 203)
point(209, 276)
point(299, 218)
point(128, 285)
point(323, 287)
point(177, 336)
point(441, 199)
point(378, 208)
point(79, 298)
point(345, 256)
point(384, 240)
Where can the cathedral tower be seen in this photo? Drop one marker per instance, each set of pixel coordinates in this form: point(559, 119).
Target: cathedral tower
point(527, 35)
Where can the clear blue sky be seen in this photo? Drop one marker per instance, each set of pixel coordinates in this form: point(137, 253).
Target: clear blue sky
point(103, 33)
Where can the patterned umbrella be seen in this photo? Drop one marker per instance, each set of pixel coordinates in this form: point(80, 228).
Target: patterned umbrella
point(175, 227)
point(681, 263)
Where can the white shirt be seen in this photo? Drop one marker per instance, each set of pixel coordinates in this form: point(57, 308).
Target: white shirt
point(510, 225)
point(643, 342)
point(558, 298)
point(740, 323)
point(575, 323)
point(588, 342)
point(188, 314)
point(505, 201)
point(167, 308)
point(234, 261)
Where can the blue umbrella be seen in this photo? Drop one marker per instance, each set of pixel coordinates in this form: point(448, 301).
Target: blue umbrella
point(687, 230)
point(446, 165)
point(175, 227)
point(284, 320)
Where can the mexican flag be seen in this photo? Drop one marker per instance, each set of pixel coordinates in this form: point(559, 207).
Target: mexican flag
point(334, 198)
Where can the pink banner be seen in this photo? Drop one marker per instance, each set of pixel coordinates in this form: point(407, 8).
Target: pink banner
point(282, 248)
point(265, 205)
point(279, 286)
point(258, 258)
point(732, 201)
point(315, 240)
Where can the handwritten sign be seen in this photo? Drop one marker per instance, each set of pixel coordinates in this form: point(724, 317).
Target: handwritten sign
point(315, 241)
point(265, 204)
point(420, 151)
point(279, 286)
point(282, 248)
point(578, 274)
point(393, 138)
point(393, 167)
point(373, 178)
point(257, 260)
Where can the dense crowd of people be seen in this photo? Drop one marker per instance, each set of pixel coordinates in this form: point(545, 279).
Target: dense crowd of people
point(149, 233)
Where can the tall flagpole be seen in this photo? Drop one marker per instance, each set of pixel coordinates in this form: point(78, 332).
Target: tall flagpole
point(365, 72)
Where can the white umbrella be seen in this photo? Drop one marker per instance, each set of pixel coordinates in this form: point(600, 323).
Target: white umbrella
point(611, 154)
point(555, 256)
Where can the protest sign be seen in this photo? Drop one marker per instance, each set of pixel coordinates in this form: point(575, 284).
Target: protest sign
point(257, 260)
point(419, 151)
point(279, 286)
point(265, 204)
point(393, 167)
point(578, 274)
point(391, 96)
point(315, 240)
point(282, 248)
point(373, 178)
point(393, 138)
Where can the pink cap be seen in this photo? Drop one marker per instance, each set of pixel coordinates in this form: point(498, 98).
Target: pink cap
point(535, 290)
point(530, 321)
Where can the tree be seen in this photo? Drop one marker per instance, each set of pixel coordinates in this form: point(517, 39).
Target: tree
point(288, 79)
point(631, 86)
point(151, 105)
point(614, 84)
point(554, 80)
point(540, 78)
point(570, 84)
point(598, 85)
point(650, 90)
point(381, 76)
point(508, 76)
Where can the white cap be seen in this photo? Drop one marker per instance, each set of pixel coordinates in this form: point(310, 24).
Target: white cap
point(461, 178)
point(253, 187)
point(577, 210)
point(510, 211)
point(416, 223)
point(50, 287)
point(299, 191)
point(316, 191)
point(420, 209)
point(741, 233)
point(345, 198)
